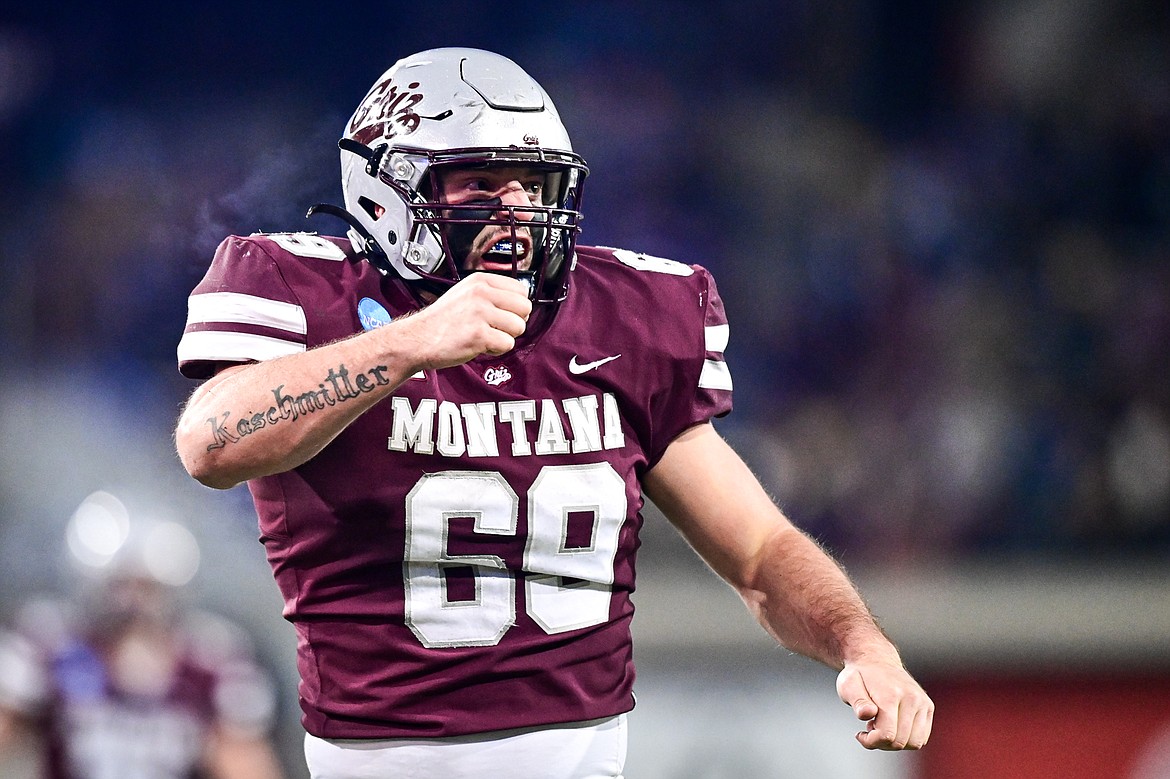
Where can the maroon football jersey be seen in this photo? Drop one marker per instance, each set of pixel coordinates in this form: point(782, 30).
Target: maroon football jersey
point(461, 558)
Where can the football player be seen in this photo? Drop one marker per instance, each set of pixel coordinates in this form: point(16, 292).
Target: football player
point(133, 685)
point(447, 420)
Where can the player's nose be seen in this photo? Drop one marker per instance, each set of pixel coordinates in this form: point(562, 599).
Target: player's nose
point(513, 194)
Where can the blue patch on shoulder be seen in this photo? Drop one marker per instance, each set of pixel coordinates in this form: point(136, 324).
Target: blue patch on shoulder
point(372, 314)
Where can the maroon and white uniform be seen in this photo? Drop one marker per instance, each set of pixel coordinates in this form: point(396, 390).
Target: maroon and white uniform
point(460, 559)
point(96, 726)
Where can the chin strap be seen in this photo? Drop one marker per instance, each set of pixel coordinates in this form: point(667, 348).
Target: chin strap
point(373, 157)
point(372, 250)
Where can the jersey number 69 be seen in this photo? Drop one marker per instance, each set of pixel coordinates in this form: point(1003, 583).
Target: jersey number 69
point(493, 506)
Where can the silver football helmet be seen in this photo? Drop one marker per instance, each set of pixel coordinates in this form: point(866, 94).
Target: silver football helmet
point(450, 108)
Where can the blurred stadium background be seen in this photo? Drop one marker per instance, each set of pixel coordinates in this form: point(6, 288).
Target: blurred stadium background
point(941, 232)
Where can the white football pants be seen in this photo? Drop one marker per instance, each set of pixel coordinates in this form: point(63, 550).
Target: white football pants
point(576, 750)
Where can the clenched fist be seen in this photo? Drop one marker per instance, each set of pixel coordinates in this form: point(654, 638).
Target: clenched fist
point(483, 314)
point(897, 712)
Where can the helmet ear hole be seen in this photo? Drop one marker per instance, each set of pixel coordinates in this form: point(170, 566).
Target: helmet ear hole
point(370, 207)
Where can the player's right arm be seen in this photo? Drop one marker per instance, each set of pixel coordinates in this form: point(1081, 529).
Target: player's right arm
point(799, 594)
point(235, 426)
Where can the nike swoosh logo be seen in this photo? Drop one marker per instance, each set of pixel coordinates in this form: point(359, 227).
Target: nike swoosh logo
point(577, 368)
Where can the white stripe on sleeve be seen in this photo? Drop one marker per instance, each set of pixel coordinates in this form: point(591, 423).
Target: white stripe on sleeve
point(245, 309)
point(716, 337)
point(715, 375)
point(216, 346)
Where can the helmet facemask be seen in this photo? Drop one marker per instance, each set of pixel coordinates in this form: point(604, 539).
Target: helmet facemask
point(534, 240)
point(437, 236)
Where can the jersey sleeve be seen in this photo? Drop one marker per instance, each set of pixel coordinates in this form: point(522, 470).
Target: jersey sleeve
point(713, 389)
point(242, 311)
point(700, 383)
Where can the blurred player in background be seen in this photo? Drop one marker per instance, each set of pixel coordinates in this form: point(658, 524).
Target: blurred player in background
point(447, 420)
point(126, 684)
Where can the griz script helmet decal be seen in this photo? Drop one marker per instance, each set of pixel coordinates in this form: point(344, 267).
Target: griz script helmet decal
point(386, 112)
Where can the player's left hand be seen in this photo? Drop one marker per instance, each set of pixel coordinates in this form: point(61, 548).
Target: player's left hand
point(898, 712)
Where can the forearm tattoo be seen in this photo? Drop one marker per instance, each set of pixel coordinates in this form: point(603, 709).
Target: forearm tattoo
point(339, 386)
